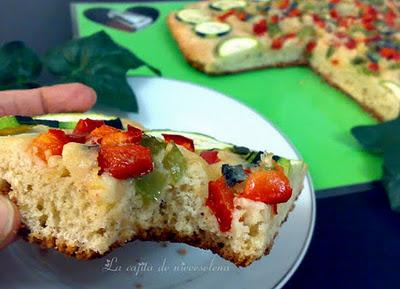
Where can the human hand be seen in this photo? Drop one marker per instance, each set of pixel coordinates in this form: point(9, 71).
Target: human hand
point(73, 97)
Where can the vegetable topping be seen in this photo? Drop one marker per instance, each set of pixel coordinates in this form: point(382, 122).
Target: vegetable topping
point(220, 201)
point(211, 157)
point(270, 187)
point(179, 140)
point(175, 162)
point(50, 143)
point(125, 161)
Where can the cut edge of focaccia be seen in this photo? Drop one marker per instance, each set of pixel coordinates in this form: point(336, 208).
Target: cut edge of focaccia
point(66, 205)
point(200, 53)
point(379, 96)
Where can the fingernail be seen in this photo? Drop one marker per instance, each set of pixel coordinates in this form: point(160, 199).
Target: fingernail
point(7, 215)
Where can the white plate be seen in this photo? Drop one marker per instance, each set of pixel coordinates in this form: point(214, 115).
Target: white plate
point(182, 106)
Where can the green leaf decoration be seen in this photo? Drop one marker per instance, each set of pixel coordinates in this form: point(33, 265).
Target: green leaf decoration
point(384, 139)
point(19, 66)
point(101, 63)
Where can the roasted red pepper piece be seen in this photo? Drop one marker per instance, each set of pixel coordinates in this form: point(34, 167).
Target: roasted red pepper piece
point(277, 43)
point(374, 67)
point(211, 157)
point(318, 20)
point(334, 13)
point(220, 201)
point(179, 140)
point(125, 161)
point(224, 16)
point(310, 46)
point(260, 27)
point(388, 52)
point(86, 126)
point(274, 19)
point(137, 132)
point(51, 142)
point(270, 187)
point(294, 12)
point(120, 138)
point(351, 43)
point(390, 18)
point(97, 134)
point(241, 15)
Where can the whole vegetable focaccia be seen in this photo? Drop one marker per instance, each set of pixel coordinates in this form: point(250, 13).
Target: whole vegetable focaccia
point(353, 44)
point(85, 188)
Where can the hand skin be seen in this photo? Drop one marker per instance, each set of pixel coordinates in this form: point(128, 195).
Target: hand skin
point(72, 97)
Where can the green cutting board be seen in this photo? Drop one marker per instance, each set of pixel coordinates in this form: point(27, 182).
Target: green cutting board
point(316, 117)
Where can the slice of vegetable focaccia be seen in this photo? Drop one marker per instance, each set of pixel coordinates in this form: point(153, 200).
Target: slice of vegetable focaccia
point(94, 185)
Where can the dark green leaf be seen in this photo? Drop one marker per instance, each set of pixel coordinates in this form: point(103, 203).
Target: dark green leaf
point(19, 66)
point(101, 63)
point(378, 138)
point(391, 177)
point(385, 139)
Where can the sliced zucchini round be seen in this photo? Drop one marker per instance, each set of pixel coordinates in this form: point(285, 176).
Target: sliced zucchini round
point(193, 16)
point(224, 5)
point(69, 120)
point(201, 141)
point(212, 29)
point(236, 45)
point(393, 87)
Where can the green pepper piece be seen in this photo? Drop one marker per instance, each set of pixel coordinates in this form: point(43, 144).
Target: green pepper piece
point(273, 29)
point(358, 60)
point(395, 66)
point(151, 185)
point(153, 144)
point(175, 162)
point(15, 130)
point(8, 122)
point(285, 164)
point(331, 50)
point(306, 31)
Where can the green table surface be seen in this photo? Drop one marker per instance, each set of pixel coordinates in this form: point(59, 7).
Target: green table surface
point(315, 117)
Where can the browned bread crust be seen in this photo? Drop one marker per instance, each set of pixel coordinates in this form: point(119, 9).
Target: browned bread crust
point(201, 240)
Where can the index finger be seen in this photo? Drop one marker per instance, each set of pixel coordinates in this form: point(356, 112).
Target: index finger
point(72, 97)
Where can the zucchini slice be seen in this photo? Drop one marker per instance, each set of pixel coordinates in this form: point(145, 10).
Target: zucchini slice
point(69, 120)
point(224, 5)
point(236, 45)
point(212, 29)
point(201, 141)
point(193, 16)
point(393, 87)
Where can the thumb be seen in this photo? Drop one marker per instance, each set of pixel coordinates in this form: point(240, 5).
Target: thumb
point(9, 221)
